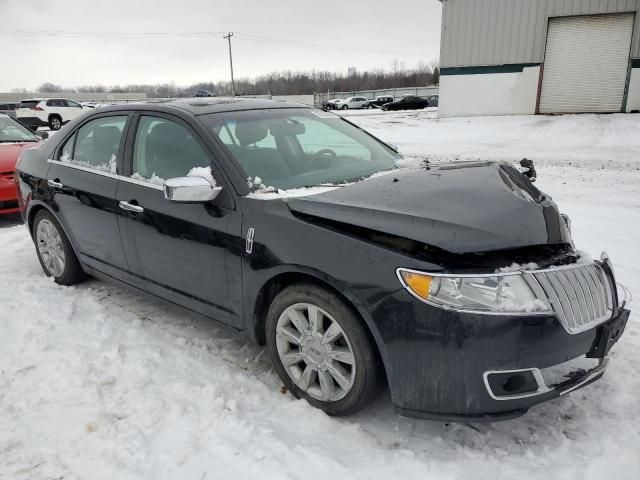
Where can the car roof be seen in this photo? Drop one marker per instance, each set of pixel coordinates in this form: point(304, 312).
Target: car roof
point(43, 99)
point(207, 105)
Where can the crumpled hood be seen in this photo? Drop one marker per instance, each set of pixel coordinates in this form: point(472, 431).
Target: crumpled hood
point(460, 207)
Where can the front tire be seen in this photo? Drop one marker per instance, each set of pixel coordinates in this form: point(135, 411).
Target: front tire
point(56, 256)
point(321, 350)
point(345, 107)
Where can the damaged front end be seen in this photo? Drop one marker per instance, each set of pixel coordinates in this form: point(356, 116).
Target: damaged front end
point(496, 307)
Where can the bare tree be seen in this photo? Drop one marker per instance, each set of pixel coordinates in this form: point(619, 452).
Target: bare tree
point(281, 83)
point(49, 87)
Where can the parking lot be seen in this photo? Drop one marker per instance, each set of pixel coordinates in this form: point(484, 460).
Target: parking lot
point(98, 383)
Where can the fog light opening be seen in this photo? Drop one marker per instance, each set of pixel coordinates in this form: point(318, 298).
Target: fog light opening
point(514, 384)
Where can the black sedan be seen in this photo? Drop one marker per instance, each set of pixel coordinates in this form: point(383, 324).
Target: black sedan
point(298, 227)
point(409, 102)
point(377, 102)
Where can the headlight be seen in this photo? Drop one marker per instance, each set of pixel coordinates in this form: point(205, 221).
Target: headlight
point(500, 293)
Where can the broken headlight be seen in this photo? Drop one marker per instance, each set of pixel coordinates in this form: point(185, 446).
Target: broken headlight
point(499, 293)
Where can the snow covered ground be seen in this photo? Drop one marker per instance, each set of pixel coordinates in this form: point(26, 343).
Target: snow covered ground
point(96, 383)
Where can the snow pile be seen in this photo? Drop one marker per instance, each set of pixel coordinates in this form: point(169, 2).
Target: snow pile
point(110, 166)
point(579, 140)
point(204, 172)
point(529, 306)
point(264, 192)
point(155, 179)
point(517, 267)
point(270, 193)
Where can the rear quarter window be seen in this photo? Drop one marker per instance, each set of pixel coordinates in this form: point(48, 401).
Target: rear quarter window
point(28, 104)
point(95, 144)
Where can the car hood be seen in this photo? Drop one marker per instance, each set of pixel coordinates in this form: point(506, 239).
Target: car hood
point(9, 154)
point(459, 207)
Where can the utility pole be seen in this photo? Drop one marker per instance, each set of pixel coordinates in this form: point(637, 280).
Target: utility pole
point(233, 88)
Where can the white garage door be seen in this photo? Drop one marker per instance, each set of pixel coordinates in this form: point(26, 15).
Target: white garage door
point(585, 66)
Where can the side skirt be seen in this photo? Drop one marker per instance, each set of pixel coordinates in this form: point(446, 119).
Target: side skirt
point(143, 293)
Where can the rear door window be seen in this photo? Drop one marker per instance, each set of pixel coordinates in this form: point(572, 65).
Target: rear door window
point(96, 144)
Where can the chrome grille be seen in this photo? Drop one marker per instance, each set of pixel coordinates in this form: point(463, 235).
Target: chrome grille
point(580, 294)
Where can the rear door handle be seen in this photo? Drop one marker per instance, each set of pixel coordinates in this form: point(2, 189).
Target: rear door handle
point(130, 207)
point(55, 183)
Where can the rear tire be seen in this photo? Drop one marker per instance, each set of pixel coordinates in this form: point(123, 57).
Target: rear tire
point(57, 258)
point(330, 362)
point(55, 122)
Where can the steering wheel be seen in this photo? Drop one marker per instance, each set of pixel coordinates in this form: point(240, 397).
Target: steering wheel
point(322, 152)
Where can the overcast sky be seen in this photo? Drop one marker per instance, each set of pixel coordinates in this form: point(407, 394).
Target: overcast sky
point(361, 33)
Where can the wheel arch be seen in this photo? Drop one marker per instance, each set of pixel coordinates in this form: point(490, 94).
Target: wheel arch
point(282, 280)
point(31, 215)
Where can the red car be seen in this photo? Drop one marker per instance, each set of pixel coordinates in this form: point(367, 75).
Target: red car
point(14, 138)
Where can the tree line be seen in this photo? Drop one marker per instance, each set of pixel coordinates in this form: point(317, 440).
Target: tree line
point(277, 83)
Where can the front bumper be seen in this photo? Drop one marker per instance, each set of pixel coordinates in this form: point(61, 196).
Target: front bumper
point(439, 362)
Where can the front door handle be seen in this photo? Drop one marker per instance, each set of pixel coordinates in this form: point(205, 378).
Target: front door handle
point(131, 207)
point(55, 183)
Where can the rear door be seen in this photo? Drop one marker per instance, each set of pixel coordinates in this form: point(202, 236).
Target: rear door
point(82, 178)
point(55, 105)
point(188, 253)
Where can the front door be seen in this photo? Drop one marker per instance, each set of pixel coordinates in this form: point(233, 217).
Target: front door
point(186, 253)
point(82, 181)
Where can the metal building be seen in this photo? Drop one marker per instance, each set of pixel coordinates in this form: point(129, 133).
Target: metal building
point(539, 56)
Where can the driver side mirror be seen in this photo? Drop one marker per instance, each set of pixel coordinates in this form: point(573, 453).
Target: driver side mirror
point(190, 190)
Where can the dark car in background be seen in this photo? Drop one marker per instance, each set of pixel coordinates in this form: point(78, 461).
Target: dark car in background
point(457, 283)
point(432, 100)
point(330, 104)
point(377, 102)
point(9, 108)
point(409, 102)
point(204, 93)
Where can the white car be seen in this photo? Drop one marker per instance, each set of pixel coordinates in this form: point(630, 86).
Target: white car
point(51, 112)
point(351, 102)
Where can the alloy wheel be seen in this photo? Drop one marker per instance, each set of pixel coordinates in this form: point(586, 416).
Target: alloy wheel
point(315, 352)
point(50, 247)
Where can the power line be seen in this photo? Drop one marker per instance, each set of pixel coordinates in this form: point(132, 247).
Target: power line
point(204, 34)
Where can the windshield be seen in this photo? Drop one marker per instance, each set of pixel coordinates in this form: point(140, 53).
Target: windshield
point(294, 148)
point(12, 131)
